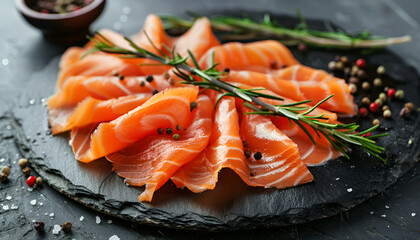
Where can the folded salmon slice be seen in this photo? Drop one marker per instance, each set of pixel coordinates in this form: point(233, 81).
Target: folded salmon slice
point(261, 56)
point(154, 159)
point(225, 150)
point(280, 165)
point(165, 109)
point(302, 73)
point(93, 110)
point(342, 101)
point(77, 88)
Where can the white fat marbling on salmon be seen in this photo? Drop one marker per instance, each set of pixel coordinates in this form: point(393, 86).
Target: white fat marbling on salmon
point(262, 132)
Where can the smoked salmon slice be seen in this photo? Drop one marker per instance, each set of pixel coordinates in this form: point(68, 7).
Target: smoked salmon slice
point(225, 150)
point(275, 160)
point(78, 88)
point(92, 110)
point(154, 159)
point(302, 73)
point(342, 101)
point(261, 56)
point(165, 109)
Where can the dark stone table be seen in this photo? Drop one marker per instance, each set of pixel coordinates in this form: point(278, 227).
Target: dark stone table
point(24, 55)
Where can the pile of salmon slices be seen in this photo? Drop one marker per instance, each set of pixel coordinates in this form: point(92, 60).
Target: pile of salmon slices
point(153, 128)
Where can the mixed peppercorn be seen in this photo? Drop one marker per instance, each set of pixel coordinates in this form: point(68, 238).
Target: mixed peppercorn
point(368, 82)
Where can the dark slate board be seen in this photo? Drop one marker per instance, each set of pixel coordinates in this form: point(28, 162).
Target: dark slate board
point(338, 186)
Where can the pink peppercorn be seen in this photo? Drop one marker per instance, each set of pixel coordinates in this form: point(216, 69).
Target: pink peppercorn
point(391, 92)
point(31, 181)
point(363, 112)
point(361, 63)
point(374, 107)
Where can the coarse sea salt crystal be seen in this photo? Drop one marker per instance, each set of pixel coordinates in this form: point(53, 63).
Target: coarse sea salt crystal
point(109, 221)
point(56, 230)
point(349, 189)
point(413, 214)
point(81, 218)
point(98, 220)
point(33, 202)
point(9, 198)
point(6, 207)
point(114, 237)
point(386, 206)
point(52, 214)
point(14, 207)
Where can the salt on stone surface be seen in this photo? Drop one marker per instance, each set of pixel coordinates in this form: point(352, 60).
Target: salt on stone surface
point(98, 220)
point(56, 229)
point(114, 237)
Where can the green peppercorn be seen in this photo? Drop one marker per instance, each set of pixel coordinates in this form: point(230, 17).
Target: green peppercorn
point(39, 181)
point(176, 136)
point(354, 70)
point(379, 102)
point(399, 94)
point(178, 127)
point(385, 107)
point(376, 122)
point(382, 96)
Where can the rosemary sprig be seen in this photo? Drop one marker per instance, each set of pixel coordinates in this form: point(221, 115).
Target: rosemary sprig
point(235, 28)
point(341, 136)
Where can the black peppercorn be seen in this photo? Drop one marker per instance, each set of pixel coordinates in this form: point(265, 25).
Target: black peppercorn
point(257, 156)
point(154, 91)
point(149, 78)
point(122, 77)
point(227, 70)
point(193, 105)
point(160, 131)
point(169, 130)
point(39, 226)
point(247, 153)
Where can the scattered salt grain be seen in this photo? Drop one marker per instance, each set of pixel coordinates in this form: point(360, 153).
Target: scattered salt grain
point(14, 207)
point(52, 214)
point(9, 198)
point(2, 159)
point(41, 203)
point(6, 207)
point(31, 101)
point(372, 212)
point(126, 10)
point(114, 237)
point(383, 215)
point(386, 206)
point(98, 220)
point(56, 230)
point(337, 179)
point(5, 61)
point(81, 218)
point(30, 189)
point(109, 221)
point(349, 189)
point(33, 202)
point(413, 214)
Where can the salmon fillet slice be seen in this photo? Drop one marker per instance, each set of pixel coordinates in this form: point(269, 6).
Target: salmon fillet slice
point(261, 56)
point(225, 150)
point(165, 109)
point(92, 110)
point(154, 159)
point(302, 73)
point(279, 164)
point(342, 101)
point(77, 88)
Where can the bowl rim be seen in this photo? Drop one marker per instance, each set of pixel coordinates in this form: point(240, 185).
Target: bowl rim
point(26, 10)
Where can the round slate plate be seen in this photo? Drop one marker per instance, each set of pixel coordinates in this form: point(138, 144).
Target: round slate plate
point(339, 185)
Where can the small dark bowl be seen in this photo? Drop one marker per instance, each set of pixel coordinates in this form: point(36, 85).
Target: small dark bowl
point(62, 28)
